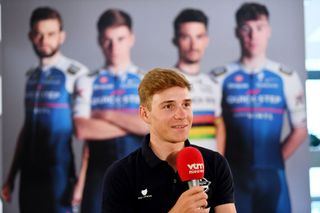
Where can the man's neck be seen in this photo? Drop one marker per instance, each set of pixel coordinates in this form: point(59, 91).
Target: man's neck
point(49, 60)
point(253, 63)
point(191, 69)
point(120, 67)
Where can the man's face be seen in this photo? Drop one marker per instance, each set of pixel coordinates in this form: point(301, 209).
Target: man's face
point(116, 43)
point(46, 37)
point(192, 41)
point(170, 117)
point(254, 36)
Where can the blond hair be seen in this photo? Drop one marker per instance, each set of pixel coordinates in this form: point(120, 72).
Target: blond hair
point(157, 80)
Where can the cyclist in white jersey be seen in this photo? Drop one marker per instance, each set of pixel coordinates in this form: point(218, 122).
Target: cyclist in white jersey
point(191, 39)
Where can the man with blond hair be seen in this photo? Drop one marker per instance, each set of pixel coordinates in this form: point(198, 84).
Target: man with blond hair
point(147, 180)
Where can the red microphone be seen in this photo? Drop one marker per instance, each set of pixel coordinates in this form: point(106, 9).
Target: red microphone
point(190, 166)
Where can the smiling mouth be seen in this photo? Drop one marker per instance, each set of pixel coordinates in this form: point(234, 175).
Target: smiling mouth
point(180, 126)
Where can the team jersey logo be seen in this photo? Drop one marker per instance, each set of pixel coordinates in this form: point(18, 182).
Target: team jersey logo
point(238, 78)
point(253, 91)
point(73, 69)
point(103, 79)
point(118, 92)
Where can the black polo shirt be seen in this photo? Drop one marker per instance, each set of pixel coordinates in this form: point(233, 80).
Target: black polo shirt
point(142, 182)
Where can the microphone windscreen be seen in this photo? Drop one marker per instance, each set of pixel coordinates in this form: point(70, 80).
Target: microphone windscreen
point(190, 164)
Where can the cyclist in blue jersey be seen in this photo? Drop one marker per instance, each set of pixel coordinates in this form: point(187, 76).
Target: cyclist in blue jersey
point(257, 92)
point(106, 108)
point(191, 39)
point(43, 154)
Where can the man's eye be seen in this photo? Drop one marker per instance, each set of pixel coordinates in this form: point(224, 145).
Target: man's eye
point(36, 35)
point(201, 36)
point(183, 37)
point(245, 29)
point(187, 105)
point(260, 28)
point(168, 107)
point(121, 39)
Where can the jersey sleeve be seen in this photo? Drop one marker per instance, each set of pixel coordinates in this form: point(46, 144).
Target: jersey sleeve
point(73, 70)
point(295, 100)
point(82, 100)
point(217, 76)
point(218, 96)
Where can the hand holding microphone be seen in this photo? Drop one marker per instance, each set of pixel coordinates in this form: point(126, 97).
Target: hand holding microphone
point(190, 166)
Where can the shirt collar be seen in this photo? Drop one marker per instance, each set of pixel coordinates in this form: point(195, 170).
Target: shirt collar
point(59, 61)
point(131, 68)
point(256, 70)
point(151, 158)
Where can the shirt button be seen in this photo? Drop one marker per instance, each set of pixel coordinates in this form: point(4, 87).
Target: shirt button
point(174, 180)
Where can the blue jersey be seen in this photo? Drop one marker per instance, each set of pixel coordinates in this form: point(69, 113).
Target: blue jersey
point(48, 109)
point(47, 171)
point(253, 105)
point(105, 90)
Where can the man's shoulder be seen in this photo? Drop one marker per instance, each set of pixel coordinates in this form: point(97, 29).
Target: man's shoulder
point(206, 78)
point(219, 71)
point(135, 72)
point(224, 70)
point(30, 71)
point(92, 74)
point(71, 66)
point(279, 68)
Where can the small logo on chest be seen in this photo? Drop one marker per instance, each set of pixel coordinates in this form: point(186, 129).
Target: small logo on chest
point(144, 193)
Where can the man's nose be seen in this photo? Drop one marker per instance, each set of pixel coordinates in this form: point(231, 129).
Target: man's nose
point(180, 113)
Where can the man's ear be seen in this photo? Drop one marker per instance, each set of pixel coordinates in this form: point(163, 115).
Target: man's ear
point(62, 37)
point(99, 40)
point(144, 114)
point(30, 36)
point(270, 31)
point(175, 41)
point(236, 32)
point(132, 39)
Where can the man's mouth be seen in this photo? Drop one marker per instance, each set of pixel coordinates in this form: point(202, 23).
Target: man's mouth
point(180, 126)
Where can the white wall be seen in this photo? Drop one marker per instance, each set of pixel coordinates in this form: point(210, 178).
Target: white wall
point(153, 27)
